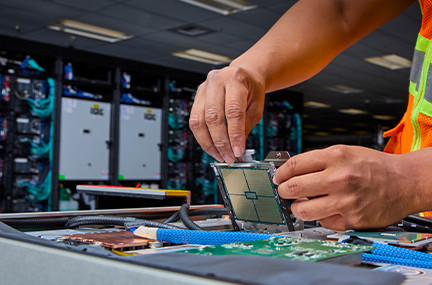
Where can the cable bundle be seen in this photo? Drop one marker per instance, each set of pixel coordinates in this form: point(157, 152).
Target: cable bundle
point(175, 154)
point(400, 256)
point(37, 193)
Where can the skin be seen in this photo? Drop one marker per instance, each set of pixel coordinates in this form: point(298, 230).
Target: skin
point(358, 188)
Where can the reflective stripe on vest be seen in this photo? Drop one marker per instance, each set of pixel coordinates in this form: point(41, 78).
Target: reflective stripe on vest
point(421, 86)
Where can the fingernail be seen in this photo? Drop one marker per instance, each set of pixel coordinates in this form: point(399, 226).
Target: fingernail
point(229, 159)
point(274, 180)
point(237, 151)
point(218, 157)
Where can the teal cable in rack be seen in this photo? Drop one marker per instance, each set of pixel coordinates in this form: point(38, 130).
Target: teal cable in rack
point(173, 122)
point(175, 157)
point(43, 109)
point(299, 132)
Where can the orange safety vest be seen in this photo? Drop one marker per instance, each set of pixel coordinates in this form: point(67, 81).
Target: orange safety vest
point(414, 131)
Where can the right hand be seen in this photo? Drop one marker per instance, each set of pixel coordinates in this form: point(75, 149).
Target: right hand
point(227, 106)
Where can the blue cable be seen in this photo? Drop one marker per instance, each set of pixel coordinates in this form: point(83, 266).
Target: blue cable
point(207, 237)
point(400, 256)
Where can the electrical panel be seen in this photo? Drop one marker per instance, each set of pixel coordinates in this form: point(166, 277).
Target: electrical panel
point(84, 140)
point(140, 143)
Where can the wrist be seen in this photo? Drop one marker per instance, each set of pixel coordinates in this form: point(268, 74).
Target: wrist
point(415, 180)
point(254, 73)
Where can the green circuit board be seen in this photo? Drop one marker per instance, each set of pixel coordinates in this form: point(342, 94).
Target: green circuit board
point(285, 247)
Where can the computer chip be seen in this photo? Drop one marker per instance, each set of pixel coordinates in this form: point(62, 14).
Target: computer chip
point(252, 195)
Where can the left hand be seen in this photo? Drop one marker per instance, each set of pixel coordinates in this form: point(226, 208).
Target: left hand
point(355, 187)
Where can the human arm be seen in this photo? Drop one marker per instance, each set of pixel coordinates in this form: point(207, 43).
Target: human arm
point(356, 187)
point(297, 47)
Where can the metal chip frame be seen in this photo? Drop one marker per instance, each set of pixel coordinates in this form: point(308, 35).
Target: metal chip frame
point(270, 170)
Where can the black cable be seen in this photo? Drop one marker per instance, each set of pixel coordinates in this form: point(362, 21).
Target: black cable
point(206, 211)
point(413, 227)
point(36, 223)
point(419, 221)
point(187, 222)
point(115, 221)
point(174, 218)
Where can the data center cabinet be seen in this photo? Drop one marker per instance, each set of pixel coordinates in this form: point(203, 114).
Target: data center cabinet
point(140, 143)
point(84, 140)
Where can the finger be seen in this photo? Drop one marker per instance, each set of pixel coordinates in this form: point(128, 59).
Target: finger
point(304, 163)
point(198, 125)
point(307, 185)
point(335, 222)
point(215, 116)
point(315, 209)
point(235, 113)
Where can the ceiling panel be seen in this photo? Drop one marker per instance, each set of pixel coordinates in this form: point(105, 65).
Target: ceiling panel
point(281, 7)
point(85, 4)
point(258, 17)
point(51, 11)
point(145, 44)
point(241, 45)
point(220, 38)
point(61, 39)
point(235, 27)
point(140, 17)
point(114, 24)
point(389, 44)
point(27, 21)
point(125, 52)
point(404, 27)
point(180, 63)
point(174, 9)
point(185, 42)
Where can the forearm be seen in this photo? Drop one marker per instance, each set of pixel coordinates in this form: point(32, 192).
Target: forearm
point(310, 35)
point(416, 178)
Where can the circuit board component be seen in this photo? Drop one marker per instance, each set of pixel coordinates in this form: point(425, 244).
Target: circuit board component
point(287, 247)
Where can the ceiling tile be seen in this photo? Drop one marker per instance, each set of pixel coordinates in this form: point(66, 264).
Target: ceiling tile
point(150, 45)
point(27, 21)
point(175, 39)
point(85, 4)
point(125, 52)
point(50, 10)
point(242, 45)
point(403, 27)
point(140, 17)
point(114, 24)
point(258, 17)
point(389, 44)
point(282, 7)
point(235, 27)
point(61, 39)
point(219, 38)
point(183, 64)
point(174, 9)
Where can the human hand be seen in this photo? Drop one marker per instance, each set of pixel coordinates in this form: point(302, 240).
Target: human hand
point(227, 106)
point(355, 187)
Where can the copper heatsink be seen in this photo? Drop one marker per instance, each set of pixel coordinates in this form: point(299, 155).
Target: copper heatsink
point(117, 240)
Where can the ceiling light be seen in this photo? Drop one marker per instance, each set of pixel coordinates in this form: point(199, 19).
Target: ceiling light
point(94, 32)
point(352, 111)
point(384, 117)
point(313, 104)
point(224, 7)
point(339, 130)
point(310, 127)
point(322, 133)
point(390, 61)
point(343, 89)
point(203, 56)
